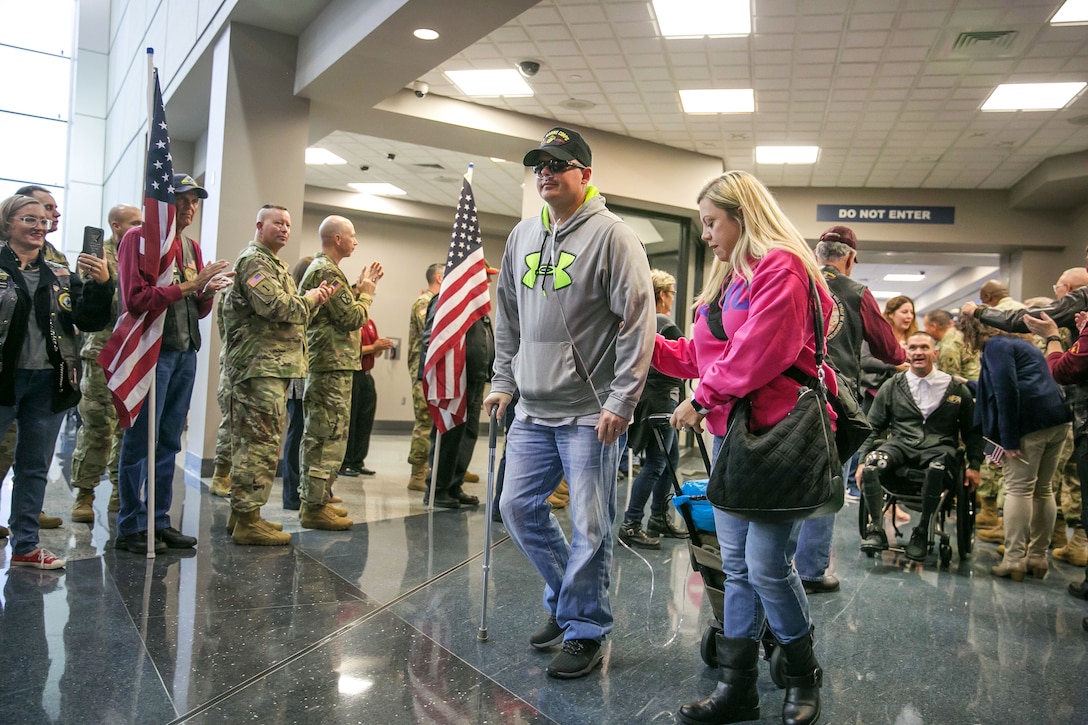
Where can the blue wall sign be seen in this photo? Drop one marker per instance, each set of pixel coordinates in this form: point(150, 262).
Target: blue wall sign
point(842, 213)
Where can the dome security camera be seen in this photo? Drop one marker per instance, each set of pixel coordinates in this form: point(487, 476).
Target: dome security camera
point(529, 68)
point(420, 88)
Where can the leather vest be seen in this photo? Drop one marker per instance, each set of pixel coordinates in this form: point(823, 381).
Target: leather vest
point(181, 325)
point(845, 332)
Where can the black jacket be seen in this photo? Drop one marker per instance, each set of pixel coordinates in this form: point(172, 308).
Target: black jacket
point(62, 303)
point(895, 415)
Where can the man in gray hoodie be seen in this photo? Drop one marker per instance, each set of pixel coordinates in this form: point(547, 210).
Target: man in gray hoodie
point(574, 333)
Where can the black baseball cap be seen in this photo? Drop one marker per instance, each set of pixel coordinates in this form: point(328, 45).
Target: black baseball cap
point(184, 183)
point(563, 144)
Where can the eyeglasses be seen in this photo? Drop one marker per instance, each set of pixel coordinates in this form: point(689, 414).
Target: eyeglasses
point(556, 166)
point(36, 221)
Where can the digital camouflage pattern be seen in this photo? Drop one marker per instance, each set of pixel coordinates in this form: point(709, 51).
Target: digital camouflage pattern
point(421, 430)
point(255, 446)
point(222, 396)
point(98, 441)
point(954, 358)
point(264, 319)
point(326, 404)
point(333, 335)
point(1067, 483)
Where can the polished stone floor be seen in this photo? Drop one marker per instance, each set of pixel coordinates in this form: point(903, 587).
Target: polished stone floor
point(379, 625)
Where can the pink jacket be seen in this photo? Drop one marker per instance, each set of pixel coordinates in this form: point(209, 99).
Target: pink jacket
point(769, 328)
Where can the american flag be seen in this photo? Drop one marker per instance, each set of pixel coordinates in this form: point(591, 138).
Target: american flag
point(463, 299)
point(130, 355)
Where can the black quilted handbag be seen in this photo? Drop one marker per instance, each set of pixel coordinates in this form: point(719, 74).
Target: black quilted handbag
point(788, 472)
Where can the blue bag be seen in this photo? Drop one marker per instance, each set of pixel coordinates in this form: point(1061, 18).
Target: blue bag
point(693, 495)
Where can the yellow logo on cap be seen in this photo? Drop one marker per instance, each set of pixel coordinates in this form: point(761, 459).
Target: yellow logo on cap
point(555, 136)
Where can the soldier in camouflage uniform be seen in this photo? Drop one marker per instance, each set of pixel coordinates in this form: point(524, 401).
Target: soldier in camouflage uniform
point(952, 355)
point(421, 431)
point(221, 476)
point(98, 442)
point(333, 341)
point(265, 320)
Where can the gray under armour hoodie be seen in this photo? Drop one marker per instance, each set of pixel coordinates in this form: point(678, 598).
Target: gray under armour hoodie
point(575, 322)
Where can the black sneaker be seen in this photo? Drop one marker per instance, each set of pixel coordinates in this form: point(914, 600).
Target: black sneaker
point(875, 541)
point(547, 636)
point(577, 659)
point(174, 539)
point(919, 545)
point(631, 533)
point(349, 471)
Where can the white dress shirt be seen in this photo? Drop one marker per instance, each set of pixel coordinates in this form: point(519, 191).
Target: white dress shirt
point(928, 391)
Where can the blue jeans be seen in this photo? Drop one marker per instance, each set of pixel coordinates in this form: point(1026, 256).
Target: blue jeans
point(35, 440)
point(814, 547)
point(653, 478)
point(760, 581)
point(576, 574)
point(174, 377)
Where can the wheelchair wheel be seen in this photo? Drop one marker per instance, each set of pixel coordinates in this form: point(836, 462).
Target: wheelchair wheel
point(965, 522)
point(708, 647)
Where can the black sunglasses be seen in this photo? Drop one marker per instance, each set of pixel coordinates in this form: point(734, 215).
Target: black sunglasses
point(556, 166)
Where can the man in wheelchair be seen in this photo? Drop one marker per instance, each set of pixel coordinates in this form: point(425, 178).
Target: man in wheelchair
point(920, 418)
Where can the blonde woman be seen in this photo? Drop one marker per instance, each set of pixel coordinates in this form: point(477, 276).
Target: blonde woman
point(753, 322)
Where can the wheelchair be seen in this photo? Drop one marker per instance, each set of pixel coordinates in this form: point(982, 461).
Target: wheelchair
point(903, 487)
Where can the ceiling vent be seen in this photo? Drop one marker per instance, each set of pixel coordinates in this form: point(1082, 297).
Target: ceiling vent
point(979, 44)
point(436, 167)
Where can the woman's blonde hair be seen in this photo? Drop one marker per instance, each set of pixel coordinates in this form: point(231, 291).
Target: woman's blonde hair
point(894, 304)
point(662, 281)
point(763, 227)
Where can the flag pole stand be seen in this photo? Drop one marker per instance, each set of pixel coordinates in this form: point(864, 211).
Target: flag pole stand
point(434, 469)
point(150, 507)
point(492, 433)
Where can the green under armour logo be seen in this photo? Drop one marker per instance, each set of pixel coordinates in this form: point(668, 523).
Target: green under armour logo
point(560, 278)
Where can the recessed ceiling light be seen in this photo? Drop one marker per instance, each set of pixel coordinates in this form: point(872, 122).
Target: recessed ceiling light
point(497, 160)
point(425, 34)
point(501, 82)
point(718, 100)
point(378, 189)
point(1032, 96)
point(787, 154)
point(318, 156)
point(698, 18)
point(883, 295)
point(1072, 12)
point(905, 277)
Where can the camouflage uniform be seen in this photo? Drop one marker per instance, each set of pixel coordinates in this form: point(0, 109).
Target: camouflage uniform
point(7, 443)
point(265, 321)
point(333, 340)
point(421, 431)
point(98, 442)
point(954, 359)
point(222, 396)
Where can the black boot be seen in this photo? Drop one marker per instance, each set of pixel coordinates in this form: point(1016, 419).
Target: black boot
point(660, 525)
point(802, 677)
point(918, 547)
point(875, 539)
point(735, 699)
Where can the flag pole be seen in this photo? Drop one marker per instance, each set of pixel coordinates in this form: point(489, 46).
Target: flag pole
point(150, 402)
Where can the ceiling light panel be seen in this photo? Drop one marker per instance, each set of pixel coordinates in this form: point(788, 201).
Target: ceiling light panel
point(322, 157)
point(378, 189)
point(1072, 12)
point(483, 83)
point(1032, 96)
point(787, 154)
point(718, 100)
point(699, 18)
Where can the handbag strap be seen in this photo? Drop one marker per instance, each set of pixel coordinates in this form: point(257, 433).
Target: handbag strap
point(820, 342)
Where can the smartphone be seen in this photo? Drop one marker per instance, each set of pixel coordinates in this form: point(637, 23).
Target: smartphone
point(92, 242)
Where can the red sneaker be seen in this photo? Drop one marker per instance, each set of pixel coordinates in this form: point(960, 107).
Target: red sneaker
point(39, 559)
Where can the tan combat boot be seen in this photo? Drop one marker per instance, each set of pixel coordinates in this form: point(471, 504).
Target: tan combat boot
point(4, 532)
point(233, 521)
point(221, 481)
point(324, 518)
point(418, 481)
point(45, 521)
point(1076, 551)
point(251, 530)
point(471, 477)
point(83, 509)
point(1060, 538)
point(986, 518)
point(560, 498)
